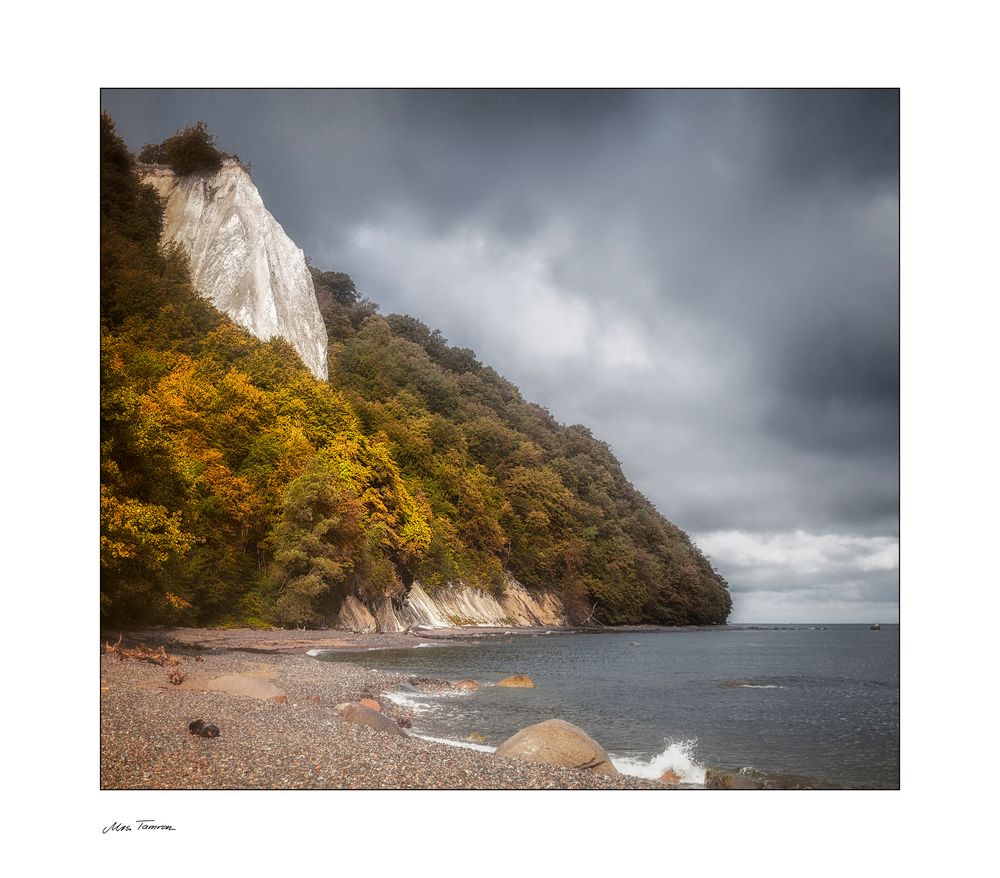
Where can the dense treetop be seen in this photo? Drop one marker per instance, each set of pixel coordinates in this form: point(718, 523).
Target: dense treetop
point(191, 150)
point(238, 489)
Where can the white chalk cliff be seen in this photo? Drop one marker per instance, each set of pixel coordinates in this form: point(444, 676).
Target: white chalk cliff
point(459, 605)
point(241, 259)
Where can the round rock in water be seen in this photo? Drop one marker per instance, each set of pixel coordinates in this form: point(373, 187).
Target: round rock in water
point(518, 681)
point(557, 742)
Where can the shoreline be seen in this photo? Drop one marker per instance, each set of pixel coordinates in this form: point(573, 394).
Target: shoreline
point(296, 742)
point(281, 724)
point(278, 641)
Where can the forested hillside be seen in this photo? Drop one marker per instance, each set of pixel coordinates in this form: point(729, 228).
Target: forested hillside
point(236, 488)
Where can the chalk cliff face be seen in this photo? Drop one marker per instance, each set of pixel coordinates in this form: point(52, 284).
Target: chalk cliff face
point(241, 259)
point(456, 606)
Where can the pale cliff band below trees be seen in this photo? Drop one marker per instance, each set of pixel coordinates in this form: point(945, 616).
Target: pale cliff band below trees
point(241, 259)
point(456, 606)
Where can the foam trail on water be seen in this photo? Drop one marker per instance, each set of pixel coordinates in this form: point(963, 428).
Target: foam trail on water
point(468, 745)
point(422, 702)
point(408, 701)
point(678, 757)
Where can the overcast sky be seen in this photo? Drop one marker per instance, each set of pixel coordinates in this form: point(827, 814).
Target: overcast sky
point(706, 279)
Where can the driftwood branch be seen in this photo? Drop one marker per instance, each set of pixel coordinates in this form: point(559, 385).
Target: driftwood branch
point(140, 654)
point(590, 617)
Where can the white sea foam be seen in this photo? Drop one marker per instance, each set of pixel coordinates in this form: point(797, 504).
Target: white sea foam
point(449, 693)
point(758, 686)
point(421, 702)
point(316, 652)
point(467, 745)
point(409, 701)
point(678, 756)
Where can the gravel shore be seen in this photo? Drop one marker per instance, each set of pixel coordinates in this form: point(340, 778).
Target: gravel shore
point(300, 744)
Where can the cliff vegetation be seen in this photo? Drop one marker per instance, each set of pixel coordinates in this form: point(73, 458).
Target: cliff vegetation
point(191, 150)
point(238, 489)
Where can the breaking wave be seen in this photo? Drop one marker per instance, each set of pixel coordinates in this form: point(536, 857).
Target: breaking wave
point(678, 757)
point(409, 701)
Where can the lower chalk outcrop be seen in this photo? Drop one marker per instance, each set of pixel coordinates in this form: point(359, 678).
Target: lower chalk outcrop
point(456, 606)
point(354, 616)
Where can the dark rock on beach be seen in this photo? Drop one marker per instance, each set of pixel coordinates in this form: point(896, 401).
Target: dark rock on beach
point(718, 779)
point(204, 729)
point(752, 779)
point(776, 781)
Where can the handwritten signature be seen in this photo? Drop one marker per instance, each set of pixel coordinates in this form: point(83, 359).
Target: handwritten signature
point(137, 824)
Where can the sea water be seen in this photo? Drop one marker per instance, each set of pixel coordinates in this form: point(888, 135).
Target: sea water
point(819, 701)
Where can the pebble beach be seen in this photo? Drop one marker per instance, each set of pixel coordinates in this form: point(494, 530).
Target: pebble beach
point(295, 742)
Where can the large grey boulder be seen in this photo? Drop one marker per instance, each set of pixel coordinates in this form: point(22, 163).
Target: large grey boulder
point(557, 742)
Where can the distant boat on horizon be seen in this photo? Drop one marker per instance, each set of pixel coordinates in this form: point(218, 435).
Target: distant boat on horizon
point(875, 627)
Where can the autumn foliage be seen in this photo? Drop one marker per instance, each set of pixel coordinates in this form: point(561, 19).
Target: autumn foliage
point(238, 489)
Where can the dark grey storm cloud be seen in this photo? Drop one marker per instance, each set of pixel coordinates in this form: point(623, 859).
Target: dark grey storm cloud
point(706, 279)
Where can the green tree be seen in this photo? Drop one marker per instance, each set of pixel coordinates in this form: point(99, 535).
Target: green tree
point(314, 544)
point(190, 150)
point(236, 488)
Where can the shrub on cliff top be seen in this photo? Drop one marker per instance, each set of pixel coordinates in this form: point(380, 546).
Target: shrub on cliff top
point(191, 150)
